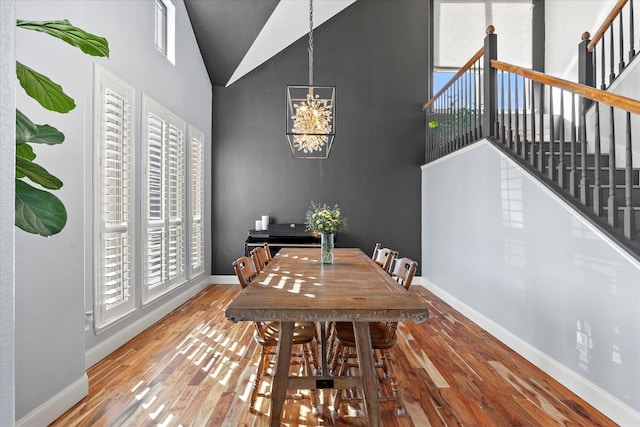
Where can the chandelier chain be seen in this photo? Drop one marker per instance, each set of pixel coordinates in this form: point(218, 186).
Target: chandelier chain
point(310, 42)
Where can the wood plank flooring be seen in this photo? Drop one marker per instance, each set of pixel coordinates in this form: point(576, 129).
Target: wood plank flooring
point(195, 368)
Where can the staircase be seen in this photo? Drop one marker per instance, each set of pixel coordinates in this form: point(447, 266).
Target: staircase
point(558, 178)
point(514, 108)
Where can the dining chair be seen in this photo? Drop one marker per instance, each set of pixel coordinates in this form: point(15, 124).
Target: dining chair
point(383, 256)
point(383, 339)
point(267, 251)
point(259, 257)
point(266, 335)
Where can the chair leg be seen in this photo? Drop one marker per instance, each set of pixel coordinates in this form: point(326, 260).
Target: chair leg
point(397, 395)
point(335, 359)
point(263, 364)
point(310, 361)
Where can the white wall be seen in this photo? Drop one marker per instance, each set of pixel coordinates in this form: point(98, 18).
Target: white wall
point(7, 207)
point(500, 247)
point(565, 22)
point(54, 275)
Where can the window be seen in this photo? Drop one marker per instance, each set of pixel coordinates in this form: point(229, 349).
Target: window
point(196, 160)
point(165, 13)
point(161, 26)
point(114, 295)
point(163, 201)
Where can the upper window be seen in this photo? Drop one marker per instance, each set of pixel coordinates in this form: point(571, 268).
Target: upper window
point(165, 28)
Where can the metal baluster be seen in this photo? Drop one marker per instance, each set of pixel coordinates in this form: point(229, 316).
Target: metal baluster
point(502, 121)
point(472, 103)
point(603, 85)
point(612, 73)
point(629, 214)
point(551, 167)
point(621, 63)
point(584, 179)
point(532, 147)
point(597, 165)
point(525, 143)
point(517, 147)
point(541, 130)
point(509, 113)
point(475, 103)
point(562, 169)
point(467, 111)
point(632, 51)
point(612, 203)
point(573, 179)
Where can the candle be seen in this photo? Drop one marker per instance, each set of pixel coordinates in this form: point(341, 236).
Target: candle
point(265, 222)
point(258, 224)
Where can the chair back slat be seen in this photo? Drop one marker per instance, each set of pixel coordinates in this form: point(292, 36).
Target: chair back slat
point(259, 257)
point(245, 270)
point(403, 270)
point(383, 256)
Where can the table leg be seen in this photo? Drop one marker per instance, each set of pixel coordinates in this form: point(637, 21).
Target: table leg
point(281, 372)
point(367, 371)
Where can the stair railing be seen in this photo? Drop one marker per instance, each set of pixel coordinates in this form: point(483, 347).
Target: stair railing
point(602, 59)
point(457, 115)
point(548, 124)
point(566, 160)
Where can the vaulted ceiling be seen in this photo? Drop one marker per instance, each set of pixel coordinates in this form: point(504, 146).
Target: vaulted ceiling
point(236, 36)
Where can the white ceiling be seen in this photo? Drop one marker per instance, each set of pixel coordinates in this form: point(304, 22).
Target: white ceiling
point(288, 23)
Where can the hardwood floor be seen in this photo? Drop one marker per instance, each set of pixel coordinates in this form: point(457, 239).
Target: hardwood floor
point(194, 368)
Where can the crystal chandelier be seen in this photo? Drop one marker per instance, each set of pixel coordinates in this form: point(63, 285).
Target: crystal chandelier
point(310, 113)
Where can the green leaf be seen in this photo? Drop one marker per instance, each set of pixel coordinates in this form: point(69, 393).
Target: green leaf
point(25, 151)
point(47, 135)
point(38, 211)
point(49, 94)
point(25, 129)
point(64, 30)
point(37, 173)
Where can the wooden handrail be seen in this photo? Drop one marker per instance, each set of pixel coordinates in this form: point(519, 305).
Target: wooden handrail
point(460, 72)
point(606, 24)
point(597, 95)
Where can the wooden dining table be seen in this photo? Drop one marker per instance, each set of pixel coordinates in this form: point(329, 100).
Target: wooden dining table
point(296, 287)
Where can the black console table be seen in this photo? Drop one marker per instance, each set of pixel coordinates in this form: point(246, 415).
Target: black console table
point(282, 236)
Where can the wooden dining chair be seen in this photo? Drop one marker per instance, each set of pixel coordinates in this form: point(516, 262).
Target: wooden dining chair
point(266, 335)
point(259, 257)
point(267, 251)
point(383, 256)
point(383, 339)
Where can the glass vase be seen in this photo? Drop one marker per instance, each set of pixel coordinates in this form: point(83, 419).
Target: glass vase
point(326, 248)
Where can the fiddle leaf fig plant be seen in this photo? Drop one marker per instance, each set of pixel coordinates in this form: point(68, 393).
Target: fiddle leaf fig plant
point(37, 210)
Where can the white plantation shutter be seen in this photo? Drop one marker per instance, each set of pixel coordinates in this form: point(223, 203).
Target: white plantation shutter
point(114, 238)
point(175, 195)
point(163, 200)
point(196, 160)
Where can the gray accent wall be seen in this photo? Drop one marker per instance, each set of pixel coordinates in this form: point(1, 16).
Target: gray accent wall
point(502, 245)
point(54, 276)
point(374, 52)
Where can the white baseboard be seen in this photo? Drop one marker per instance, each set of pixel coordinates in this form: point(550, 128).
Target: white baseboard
point(109, 345)
point(225, 280)
point(50, 410)
point(600, 399)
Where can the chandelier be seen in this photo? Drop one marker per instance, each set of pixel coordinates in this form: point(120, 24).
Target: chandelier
point(310, 113)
